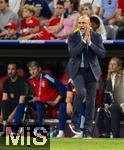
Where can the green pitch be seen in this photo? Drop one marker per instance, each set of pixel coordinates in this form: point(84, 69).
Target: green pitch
point(72, 144)
point(86, 144)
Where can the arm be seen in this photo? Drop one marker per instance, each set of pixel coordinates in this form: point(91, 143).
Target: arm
point(75, 46)
point(69, 107)
point(122, 107)
point(56, 84)
point(97, 47)
point(56, 101)
point(5, 97)
point(23, 90)
point(59, 86)
point(113, 15)
point(21, 99)
point(69, 97)
point(60, 25)
point(22, 3)
point(11, 116)
point(101, 12)
point(28, 37)
point(65, 34)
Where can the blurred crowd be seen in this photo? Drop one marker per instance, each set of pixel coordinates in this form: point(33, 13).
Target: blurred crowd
point(56, 19)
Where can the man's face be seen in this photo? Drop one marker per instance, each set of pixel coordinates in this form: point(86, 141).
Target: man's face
point(86, 11)
point(26, 13)
point(3, 5)
point(59, 9)
point(34, 71)
point(84, 24)
point(12, 70)
point(34, 29)
point(11, 31)
point(113, 66)
point(94, 26)
point(67, 4)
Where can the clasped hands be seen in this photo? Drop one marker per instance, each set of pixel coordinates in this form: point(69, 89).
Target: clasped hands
point(87, 36)
point(122, 107)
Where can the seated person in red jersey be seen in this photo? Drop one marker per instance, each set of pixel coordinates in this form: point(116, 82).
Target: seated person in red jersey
point(55, 19)
point(35, 31)
point(46, 90)
point(10, 32)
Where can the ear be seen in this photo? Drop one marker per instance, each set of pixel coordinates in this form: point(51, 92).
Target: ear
point(40, 69)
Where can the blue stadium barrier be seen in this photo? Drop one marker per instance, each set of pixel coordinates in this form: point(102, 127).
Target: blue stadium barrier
point(17, 42)
point(50, 48)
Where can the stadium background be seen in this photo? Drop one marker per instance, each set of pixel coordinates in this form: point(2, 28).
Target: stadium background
point(54, 54)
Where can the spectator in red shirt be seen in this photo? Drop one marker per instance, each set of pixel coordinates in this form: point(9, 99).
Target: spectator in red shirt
point(59, 10)
point(10, 32)
point(35, 31)
point(27, 11)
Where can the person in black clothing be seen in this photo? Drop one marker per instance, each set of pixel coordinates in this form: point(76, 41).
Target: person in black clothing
point(42, 8)
point(13, 99)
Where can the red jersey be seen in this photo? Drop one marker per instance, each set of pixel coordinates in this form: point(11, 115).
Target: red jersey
point(121, 5)
point(44, 35)
point(47, 88)
point(23, 24)
point(54, 21)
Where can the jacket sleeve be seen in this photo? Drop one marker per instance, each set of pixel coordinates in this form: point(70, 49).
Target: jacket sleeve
point(97, 47)
point(56, 84)
point(75, 46)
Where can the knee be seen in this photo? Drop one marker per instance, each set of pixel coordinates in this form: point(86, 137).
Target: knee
point(21, 106)
point(81, 92)
point(39, 105)
point(4, 104)
point(114, 108)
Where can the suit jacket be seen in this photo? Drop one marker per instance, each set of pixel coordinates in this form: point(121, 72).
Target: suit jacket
point(76, 47)
point(116, 94)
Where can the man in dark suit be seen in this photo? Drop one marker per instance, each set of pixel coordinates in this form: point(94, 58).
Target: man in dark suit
point(84, 47)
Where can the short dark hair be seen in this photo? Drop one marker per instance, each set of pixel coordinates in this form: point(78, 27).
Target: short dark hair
point(60, 3)
point(95, 20)
point(13, 62)
point(6, 1)
point(33, 63)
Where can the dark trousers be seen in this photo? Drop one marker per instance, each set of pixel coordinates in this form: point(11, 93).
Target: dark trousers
point(85, 84)
point(100, 121)
point(7, 107)
point(62, 115)
point(40, 110)
point(113, 123)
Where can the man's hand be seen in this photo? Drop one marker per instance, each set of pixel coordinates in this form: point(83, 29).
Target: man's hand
point(122, 107)
point(36, 34)
point(87, 36)
point(107, 106)
point(53, 103)
point(11, 116)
